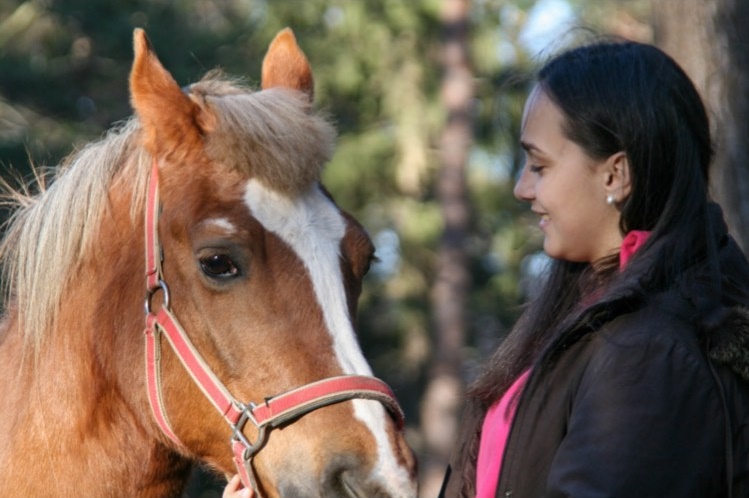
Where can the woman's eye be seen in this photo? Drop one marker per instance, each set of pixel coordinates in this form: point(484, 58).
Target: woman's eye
point(218, 265)
point(534, 168)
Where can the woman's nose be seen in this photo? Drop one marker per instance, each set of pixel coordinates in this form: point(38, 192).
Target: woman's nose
point(523, 189)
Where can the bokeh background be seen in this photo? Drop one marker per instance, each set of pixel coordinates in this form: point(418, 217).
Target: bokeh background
point(426, 96)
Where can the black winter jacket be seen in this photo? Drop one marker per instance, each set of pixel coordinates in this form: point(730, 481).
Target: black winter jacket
point(646, 405)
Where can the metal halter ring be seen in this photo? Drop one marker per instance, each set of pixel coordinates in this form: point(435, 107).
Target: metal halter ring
point(150, 293)
point(251, 449)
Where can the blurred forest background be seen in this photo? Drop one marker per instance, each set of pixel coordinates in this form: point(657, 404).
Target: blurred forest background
point(427, 96)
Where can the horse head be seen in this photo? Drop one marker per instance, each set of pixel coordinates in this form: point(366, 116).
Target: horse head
point(263, 272)
point(251, 275)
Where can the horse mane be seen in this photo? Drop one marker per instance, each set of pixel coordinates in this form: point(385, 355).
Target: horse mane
point(271, 135)
point(49, 233)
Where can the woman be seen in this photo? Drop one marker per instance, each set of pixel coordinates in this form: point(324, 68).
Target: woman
point(628, 374)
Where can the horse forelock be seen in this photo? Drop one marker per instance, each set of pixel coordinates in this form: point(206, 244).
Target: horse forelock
point(51, 232)
point(270, 135)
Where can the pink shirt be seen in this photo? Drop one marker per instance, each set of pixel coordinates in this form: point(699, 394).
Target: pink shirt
point(499, 417)
point(494, 434)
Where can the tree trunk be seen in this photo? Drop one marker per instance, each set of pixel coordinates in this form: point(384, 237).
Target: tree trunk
point(709, 38)
point(441, 403)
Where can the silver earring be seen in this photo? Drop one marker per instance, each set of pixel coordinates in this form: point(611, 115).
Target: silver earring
point(610, 199)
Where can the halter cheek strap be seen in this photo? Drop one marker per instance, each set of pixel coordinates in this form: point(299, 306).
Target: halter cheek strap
point(272, 412)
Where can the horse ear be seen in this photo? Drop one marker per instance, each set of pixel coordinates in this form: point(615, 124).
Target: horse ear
point(168, 116)
point(285, 65)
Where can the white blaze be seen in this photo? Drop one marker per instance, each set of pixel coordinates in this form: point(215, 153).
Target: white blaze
point(313, 227)
point(223, 224)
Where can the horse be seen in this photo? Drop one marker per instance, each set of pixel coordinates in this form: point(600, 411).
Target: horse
point(184, 290)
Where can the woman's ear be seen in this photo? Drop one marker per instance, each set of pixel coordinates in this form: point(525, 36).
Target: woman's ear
point(618, 185)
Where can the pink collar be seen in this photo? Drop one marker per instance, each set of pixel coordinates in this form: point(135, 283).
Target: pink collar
point(631, 243)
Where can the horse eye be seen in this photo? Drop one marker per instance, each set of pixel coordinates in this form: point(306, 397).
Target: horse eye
point(218, 266)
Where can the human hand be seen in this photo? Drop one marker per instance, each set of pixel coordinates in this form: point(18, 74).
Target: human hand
point(234, 489)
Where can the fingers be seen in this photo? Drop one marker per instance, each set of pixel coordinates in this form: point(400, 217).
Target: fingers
point(234, 489)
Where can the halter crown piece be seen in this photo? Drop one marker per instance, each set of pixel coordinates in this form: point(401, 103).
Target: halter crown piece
point(273, 411)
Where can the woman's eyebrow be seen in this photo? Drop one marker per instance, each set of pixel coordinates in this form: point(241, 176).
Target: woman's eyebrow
point(529, 147)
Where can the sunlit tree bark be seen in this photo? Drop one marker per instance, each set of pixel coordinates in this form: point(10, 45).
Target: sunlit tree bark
point(709, 38)
point(440, 409)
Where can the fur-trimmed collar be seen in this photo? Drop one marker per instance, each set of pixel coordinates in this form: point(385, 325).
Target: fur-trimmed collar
point(729, 343)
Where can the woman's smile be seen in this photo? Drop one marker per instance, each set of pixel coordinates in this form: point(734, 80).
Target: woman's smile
point(543, 220)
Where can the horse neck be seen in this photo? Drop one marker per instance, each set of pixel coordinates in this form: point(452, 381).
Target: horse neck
point(80, 417)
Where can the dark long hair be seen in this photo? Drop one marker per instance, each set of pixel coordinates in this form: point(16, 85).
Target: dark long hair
point(630, 97)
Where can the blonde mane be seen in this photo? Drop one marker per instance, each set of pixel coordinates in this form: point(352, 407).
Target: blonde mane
point(271, 135)
point(49, 233)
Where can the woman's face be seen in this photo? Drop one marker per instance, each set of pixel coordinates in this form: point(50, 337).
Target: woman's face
point(567, 188)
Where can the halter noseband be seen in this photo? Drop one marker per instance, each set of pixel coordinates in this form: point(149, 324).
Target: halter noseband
point(272, 412)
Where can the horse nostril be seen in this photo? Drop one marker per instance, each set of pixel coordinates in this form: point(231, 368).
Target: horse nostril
point(343, 479)
point(350, 487)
